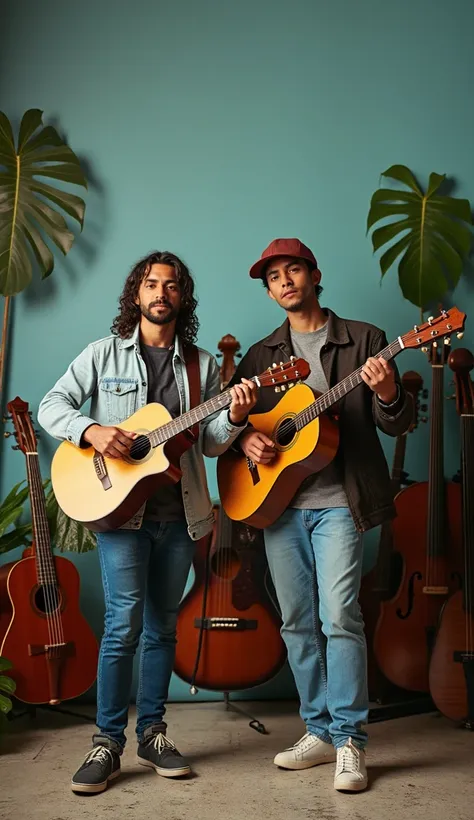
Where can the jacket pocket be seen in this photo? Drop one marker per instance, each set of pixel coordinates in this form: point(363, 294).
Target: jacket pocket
point(120, 397)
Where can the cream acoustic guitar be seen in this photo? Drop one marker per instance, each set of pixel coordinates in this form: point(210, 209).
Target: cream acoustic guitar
point(305, 439)
point(105, 493)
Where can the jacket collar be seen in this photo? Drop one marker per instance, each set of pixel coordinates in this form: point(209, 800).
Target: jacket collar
point(134, 341)
point(337, 332)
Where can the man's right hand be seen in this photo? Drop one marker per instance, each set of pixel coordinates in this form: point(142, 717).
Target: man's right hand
point(109, 441)
point(257, 446)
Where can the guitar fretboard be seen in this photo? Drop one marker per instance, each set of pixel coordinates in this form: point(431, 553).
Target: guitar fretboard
point(45, 570)
point(191, 417)
point(340, 390)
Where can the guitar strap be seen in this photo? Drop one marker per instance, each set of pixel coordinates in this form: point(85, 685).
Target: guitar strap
point(191, 358)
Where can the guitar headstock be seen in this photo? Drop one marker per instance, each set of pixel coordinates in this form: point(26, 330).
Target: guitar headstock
point(461, 361)
point(443, 326)
point(24, 431)
point(413, 384)
point(285, 374)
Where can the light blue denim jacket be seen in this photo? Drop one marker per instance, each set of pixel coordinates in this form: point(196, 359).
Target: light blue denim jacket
point(112, 373)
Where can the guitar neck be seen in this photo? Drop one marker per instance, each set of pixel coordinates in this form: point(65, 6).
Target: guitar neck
point(163, 434)
point(467, 474)
point(328, 399)
point(436, 500)
point(45, 569)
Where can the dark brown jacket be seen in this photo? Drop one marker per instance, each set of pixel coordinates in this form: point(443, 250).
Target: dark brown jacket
point(364, 469)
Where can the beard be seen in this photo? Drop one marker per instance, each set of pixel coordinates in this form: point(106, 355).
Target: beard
point(156, 318)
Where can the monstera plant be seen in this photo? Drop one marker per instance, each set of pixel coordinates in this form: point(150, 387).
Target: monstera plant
point(431, 232)
point(7, 687)
point(31, 221)
point(29, 215)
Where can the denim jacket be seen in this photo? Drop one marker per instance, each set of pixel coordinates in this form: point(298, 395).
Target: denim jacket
point(112, 373)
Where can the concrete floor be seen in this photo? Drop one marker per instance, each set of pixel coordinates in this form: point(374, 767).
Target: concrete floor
point(419, 767)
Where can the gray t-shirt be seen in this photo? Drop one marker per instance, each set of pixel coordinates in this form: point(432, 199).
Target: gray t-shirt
point(323, 489)
point(167, 503)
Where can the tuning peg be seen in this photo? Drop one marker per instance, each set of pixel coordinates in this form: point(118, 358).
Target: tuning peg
point(7, 435)
point(424, 419)
point(15, 446)
point(283, 388)
point(274, 364)
point(424, 349)
point(291, 384)
point(447, 340)
point(281, 364)
point(292, 358)
point(430, 320)
point(6, 418)
point(459, 335)
point(277, 389)
point(451, 397)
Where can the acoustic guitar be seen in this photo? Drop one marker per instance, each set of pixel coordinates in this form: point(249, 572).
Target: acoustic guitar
point(305, 439)
point(50, 644)
point(104, 493)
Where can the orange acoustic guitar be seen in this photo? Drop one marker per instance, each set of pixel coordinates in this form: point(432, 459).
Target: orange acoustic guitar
point(305, 439)
point(104, 493)
point(50, 644)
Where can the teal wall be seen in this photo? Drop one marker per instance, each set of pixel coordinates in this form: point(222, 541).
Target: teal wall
point(209, 128)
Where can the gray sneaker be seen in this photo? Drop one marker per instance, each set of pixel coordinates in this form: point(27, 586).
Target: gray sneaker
point(100, 765)
point(158, 752)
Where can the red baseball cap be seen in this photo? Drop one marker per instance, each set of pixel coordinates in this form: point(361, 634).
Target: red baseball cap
point(282, 247)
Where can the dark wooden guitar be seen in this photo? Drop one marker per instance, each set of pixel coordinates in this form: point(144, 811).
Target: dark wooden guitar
point(451, 674)
point(50, 644)
point(228, 627)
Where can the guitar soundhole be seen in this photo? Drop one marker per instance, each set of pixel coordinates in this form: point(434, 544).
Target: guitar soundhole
point(225, 563)
point(286, 432)
point(47, 598)
point(140, 448)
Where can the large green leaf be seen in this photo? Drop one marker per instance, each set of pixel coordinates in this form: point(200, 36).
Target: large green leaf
point(67, 535)
point(26, 217)
point(432, 237)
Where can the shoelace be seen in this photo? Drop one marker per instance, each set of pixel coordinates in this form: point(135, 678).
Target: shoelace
point(99, 754)
point(161, 742)
point(348, 760)
point(303, 743)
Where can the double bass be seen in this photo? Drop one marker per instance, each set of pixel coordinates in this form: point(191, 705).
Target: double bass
point(228, 626)
point(50, 644)
point(427, 537)
point(452, 664)
point(381, 583)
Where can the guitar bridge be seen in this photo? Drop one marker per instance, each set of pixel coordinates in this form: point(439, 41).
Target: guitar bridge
point(101, 471)
point(238, 624)
point(253, 469)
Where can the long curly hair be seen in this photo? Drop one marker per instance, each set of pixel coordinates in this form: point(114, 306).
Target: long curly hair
point(187, 323)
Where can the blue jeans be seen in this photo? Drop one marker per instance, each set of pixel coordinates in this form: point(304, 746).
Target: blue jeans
point(315, 559)
point(144, 574)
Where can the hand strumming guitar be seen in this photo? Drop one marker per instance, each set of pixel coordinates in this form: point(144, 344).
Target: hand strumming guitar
point(257, 446)
point(109, 441)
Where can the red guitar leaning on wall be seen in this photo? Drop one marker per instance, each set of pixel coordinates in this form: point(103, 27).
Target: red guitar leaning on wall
point(50, 644)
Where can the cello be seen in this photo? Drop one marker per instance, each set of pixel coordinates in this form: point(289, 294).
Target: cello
point(50, 644)
point(452, 663)
point(428, 520)
point(381, 583)
point(228, 631)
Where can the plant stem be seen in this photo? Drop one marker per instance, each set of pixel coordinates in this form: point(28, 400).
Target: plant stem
point(3, 344)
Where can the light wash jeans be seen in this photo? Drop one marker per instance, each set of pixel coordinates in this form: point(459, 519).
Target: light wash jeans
point(144, 574)
point(315, 559)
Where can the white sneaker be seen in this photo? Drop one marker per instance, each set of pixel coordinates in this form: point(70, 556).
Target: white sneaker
point(351, 774)
point(309, 751)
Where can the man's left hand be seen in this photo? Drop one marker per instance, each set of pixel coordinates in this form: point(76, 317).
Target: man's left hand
point(380, 377)
point(244, 397)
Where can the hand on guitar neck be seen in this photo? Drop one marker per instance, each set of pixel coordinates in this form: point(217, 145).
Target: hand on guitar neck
point(115, 442)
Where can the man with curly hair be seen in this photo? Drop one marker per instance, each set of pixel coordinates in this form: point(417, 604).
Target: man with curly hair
point(145, 564)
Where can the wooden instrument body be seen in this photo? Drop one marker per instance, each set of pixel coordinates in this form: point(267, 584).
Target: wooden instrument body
point(231, 658)
point(28, 630)
point(447, 678)
point(80, 493)
point(405, 631)
point(264, 493)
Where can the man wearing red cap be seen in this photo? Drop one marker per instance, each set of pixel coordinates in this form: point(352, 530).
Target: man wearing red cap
point(314, 549)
